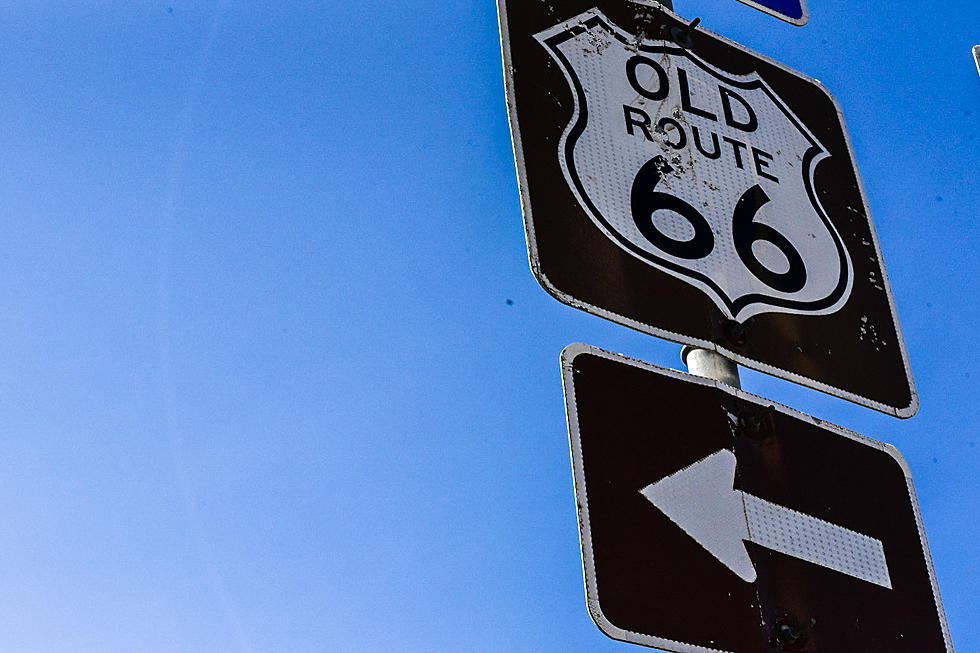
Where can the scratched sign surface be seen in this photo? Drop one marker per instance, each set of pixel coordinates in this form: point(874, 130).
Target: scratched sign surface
point(711, 175)
point(677, 183)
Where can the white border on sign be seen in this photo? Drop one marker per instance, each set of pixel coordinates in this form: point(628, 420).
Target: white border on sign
point(525, 193)
point(568, 356)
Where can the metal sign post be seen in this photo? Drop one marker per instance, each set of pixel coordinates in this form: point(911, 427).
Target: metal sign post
point(714, 521)
point(711, 365)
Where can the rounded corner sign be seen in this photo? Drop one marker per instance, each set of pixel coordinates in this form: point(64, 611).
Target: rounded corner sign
point(711, 501)
point(792, 11)
point(680, 184)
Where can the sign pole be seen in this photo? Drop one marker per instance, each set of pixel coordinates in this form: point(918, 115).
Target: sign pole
point(792, 628)
point(711, 364)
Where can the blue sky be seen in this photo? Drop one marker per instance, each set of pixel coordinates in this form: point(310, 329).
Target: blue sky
point(275, 373)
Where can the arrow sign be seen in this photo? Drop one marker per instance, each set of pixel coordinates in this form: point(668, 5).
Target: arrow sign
point(702, 501)
point(643, 435)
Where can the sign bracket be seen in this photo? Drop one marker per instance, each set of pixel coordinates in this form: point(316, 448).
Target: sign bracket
point(712, 365)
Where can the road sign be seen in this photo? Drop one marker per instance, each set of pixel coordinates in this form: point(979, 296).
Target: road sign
point(712, 520)
point(792, 11)
point(677, 183)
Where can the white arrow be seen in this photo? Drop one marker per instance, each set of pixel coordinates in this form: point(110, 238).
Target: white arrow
point(701, 499)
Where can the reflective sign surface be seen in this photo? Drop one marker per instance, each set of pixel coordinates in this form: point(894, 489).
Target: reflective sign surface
point(713, 520)
point(677, 183)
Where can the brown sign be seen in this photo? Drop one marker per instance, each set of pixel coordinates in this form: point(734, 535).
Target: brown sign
point(677, 183)
point(712, 520)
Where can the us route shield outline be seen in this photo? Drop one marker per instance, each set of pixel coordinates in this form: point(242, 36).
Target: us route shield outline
point(652, 120)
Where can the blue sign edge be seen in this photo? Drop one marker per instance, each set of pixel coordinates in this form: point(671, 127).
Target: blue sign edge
point(799, 22)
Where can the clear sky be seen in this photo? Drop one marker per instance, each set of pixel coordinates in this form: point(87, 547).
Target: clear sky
point(274, 373)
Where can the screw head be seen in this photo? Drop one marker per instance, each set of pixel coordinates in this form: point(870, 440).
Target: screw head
point(791, 636)
point(734, 332)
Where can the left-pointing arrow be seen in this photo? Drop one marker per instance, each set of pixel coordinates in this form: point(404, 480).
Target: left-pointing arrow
point(702, 501)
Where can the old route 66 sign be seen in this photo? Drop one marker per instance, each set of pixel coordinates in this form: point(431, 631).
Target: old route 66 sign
point(678, 183)
point(706, 175)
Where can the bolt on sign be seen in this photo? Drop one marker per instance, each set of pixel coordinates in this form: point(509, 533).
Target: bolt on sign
point(792, 11)
point(712, 520)
point(677, 183)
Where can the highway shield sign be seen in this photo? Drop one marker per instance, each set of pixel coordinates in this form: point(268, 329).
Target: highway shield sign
point(680, 184)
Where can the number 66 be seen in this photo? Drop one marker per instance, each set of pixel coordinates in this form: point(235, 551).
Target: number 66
point(645, 200)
